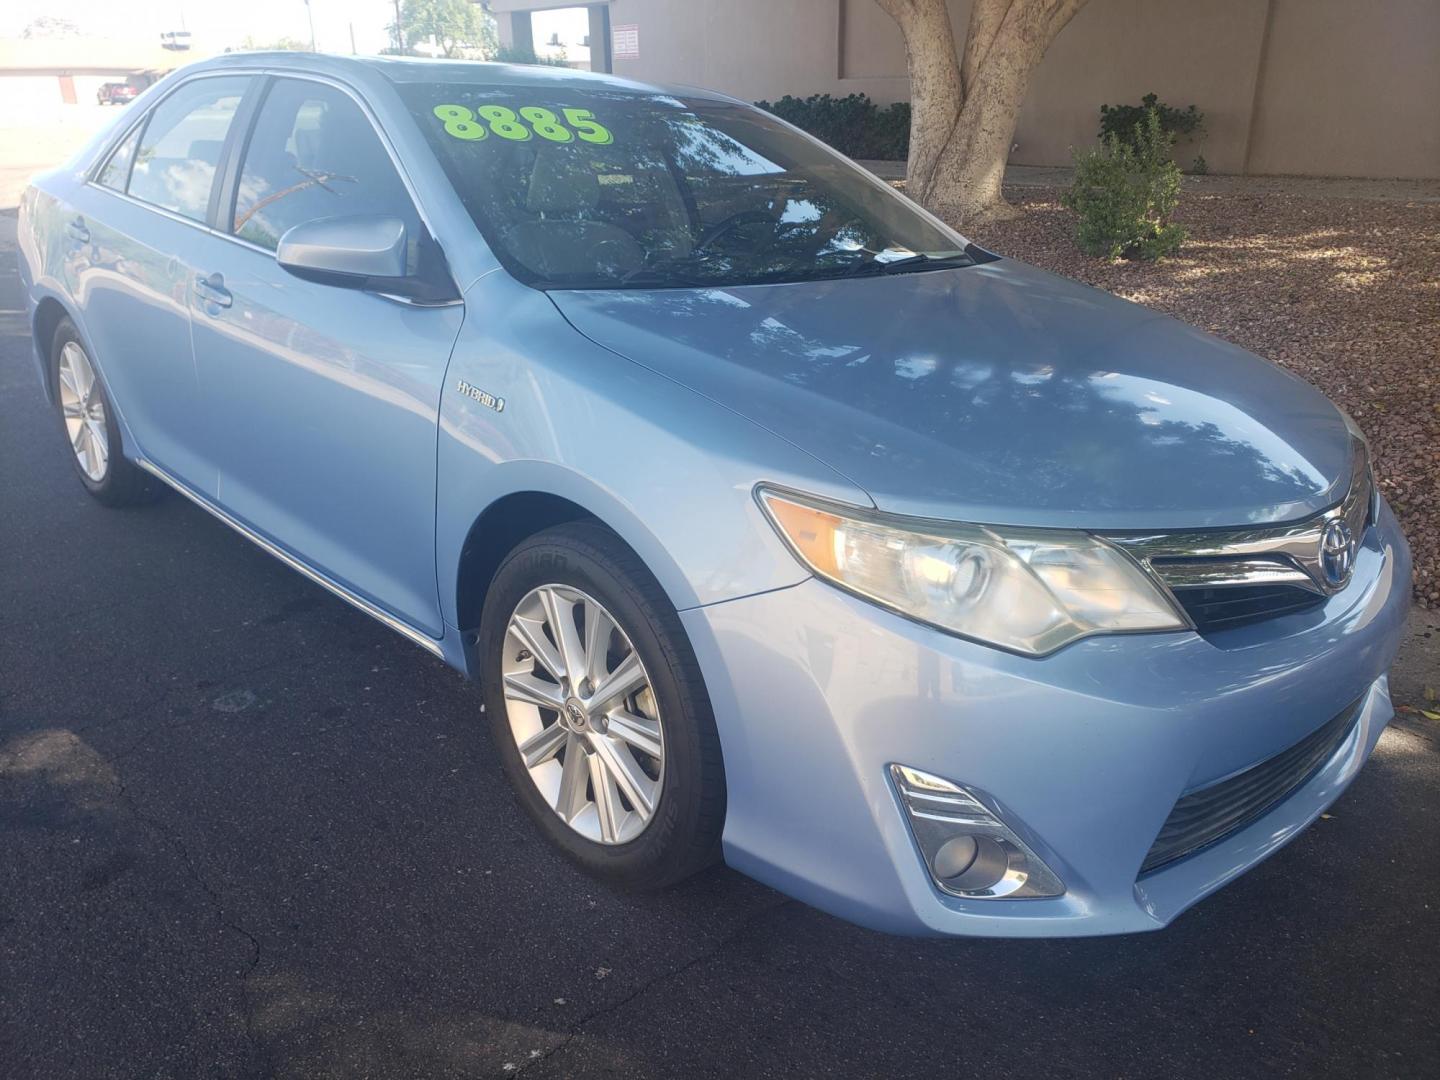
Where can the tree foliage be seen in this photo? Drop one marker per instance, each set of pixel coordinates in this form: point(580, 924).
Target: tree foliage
point(454, 25)
point(51, 26)
point(283, 44)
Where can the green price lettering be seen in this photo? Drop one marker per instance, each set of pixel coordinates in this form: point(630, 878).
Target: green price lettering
point(583, 121)
point(546, 124)
point(504, 122)
point(519, 126)
point(460, 122)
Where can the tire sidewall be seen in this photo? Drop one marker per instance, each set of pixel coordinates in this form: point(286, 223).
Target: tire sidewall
point(559, 558)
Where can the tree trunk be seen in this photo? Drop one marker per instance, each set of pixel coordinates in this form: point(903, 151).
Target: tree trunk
point(964, 111)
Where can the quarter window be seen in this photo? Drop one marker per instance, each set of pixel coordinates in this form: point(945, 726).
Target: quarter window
point(180, 149)
point(117, 170)
point(314, 154)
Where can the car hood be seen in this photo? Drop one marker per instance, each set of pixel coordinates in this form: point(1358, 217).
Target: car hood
point(996, 393)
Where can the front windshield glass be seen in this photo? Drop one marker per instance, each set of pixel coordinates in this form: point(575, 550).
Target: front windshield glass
point(603, 188)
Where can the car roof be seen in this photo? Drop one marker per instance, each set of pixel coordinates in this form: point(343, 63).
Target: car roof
point(411, 69)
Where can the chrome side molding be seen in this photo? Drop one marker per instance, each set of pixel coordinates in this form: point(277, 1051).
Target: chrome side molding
point(419, 637)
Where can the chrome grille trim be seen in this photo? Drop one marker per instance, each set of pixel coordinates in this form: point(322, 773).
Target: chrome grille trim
point(1279, 555)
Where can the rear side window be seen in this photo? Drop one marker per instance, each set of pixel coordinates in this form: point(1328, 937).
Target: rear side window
point(180, 149)
point(116, 172)
point(314, 154)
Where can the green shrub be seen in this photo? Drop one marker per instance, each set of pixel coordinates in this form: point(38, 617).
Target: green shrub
point(852, 124)
point(1125, 193)
point(1120, 120)
point(509, 54)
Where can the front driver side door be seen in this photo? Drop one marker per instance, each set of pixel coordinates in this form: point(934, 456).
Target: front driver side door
point(322, 400)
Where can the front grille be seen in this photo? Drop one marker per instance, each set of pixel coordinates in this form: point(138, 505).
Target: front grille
point(1202, 817)
point(1227, 607)
point(1225, 578)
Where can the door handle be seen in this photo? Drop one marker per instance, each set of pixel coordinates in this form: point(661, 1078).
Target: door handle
point(76, 230)
point(212, 289)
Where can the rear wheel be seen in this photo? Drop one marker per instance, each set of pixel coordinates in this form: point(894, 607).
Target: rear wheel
point(598, 709)
point(91, 427)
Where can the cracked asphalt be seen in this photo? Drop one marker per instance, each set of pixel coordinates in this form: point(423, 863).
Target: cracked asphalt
point(247, 832)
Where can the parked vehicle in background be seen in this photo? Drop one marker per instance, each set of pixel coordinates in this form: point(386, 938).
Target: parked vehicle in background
point(116, 93)
point(773, 517)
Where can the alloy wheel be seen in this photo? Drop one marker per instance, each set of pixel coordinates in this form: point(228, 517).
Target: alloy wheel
point(84, 412)
point(583, 714)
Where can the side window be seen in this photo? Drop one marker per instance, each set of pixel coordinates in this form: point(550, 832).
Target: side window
point(180, 148)
point(117, 170)
point(314, 154)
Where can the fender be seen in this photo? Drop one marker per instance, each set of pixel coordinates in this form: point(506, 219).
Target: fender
point(574, 411)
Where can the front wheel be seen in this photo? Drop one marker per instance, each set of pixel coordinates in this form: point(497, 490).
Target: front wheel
point(598, 709)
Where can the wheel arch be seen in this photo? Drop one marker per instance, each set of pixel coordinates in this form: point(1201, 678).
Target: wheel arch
point(498, 530)
point(49, 311)
point(541, 496)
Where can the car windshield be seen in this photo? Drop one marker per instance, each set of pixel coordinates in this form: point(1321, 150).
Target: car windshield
point(605, 188)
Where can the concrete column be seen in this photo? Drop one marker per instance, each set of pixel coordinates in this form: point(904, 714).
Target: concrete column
point(600, 38)
point(513, 29)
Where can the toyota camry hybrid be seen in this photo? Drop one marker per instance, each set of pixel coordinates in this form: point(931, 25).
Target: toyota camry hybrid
point(776, 521)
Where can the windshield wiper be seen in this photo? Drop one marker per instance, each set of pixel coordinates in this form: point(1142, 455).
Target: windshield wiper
point(905, 265)
point(921, 260)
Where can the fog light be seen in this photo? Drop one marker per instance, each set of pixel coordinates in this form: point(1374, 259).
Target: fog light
point(970, 852)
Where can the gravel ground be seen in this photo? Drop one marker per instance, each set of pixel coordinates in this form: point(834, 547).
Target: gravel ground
point(1345, 293)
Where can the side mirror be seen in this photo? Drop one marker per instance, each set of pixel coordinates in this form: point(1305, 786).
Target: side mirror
point(350, 252)
point(366, 253)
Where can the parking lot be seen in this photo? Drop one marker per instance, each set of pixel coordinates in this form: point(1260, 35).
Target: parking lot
point(248, 832)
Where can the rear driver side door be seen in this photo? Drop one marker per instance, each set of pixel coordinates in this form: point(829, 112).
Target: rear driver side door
point(139, 229)
point(323, 401)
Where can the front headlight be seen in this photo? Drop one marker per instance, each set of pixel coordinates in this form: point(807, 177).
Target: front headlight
point(1027, 590)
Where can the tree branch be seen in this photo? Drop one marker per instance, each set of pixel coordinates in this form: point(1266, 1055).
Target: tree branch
point(986, 18)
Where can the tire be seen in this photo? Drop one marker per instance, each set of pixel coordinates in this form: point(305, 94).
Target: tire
point(587, 565)
point(90, 427)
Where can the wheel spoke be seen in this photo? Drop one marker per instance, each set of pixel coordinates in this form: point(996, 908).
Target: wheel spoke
point(527, 688)
point(79, 436)
point(600, 762)
point(102, 452)
point(627, 773)
point(83, 378)
point(640, 732)
point(543, 745)
point(534, 639)
point(560, 614)
point(627, 677)
point(67, 378)
point(574, 774)
point(607, 804)
point(598, 628)
point(72, 410)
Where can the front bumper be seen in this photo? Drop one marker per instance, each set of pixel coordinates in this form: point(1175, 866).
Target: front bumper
point(1083, 753)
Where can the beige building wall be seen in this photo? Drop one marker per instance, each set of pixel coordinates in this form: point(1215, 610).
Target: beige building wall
point(1307, 87)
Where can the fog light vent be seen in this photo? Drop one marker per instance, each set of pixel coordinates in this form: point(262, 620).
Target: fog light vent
point(969, 851)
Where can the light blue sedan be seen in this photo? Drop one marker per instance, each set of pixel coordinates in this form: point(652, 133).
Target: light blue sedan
point(775, 520)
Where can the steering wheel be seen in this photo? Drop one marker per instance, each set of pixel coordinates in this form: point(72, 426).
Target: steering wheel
point(730, 224)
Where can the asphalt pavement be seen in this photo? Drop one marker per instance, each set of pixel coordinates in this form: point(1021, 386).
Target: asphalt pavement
point(247, 832)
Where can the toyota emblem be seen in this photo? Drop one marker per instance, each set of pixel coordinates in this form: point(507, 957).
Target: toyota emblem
point(1337, 553)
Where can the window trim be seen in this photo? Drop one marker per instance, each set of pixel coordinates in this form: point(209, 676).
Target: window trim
point(136, 131)
point(241, 127)
point(141, 124)
point(242, 141)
